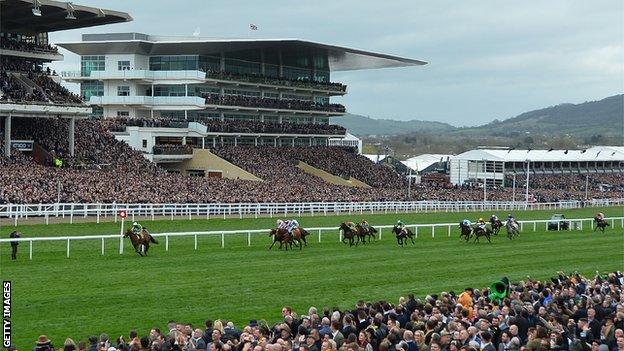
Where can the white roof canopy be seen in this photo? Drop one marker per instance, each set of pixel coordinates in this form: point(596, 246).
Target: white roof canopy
point(597, 153)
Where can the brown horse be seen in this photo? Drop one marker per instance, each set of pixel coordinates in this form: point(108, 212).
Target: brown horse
point(141, 242)
point(285, 239)
point(300, 234)
point(349, 234)
point(496, 226)
point(366, 230)
point(600, 224)
point(403, 235)
point(466, 231)
point(478, 232)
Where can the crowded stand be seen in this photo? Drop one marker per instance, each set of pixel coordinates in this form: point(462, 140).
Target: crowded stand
point(171, 149)
point(20, 45)
point(566, 312)
point(22, 81)
point(258, 102)
point(231, 126)
point(104, 169)
point(262, 79)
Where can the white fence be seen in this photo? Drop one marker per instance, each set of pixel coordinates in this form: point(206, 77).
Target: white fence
point(72, 211)
point(574, 224)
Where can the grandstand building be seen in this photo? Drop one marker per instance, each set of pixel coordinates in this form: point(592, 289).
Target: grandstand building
point(498, 166)
point(205, 93)
point(27, 89)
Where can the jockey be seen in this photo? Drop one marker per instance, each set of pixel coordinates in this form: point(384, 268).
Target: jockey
point(481, 224)
point(292, 224)
point(351, 226)
point(466, 222)
point(364, 224)
point(401, 226)
point(599, 217)
point(137, 229)
point(511, 219)
point(493, 219)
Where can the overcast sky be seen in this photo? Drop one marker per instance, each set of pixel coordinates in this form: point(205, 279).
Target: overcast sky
point(487, 59)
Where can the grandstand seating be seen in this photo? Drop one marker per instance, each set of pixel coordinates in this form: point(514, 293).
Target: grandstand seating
point(106, 170)
point(257, 102)
point(231, 126)
point(22, 81)
point(262, 79)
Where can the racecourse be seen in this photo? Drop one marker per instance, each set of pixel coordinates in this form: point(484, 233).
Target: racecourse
point(89, 293)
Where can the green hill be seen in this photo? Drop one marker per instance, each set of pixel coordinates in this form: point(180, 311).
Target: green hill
point(362, 125)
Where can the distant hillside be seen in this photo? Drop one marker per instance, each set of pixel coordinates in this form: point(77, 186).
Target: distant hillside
point(362, 126)
point(605, 117)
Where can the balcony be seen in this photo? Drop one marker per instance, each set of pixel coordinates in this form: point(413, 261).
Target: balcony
point(142, 76)
point(152, 102)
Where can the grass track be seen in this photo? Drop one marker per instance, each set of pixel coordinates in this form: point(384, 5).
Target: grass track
point(88, 293)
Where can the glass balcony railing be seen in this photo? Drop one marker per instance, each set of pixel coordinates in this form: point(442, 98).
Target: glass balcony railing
point(148, 100)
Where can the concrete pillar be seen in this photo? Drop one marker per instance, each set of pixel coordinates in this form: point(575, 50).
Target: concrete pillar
point(222, 115)
point(214, 141)
point(203, 142)
point(185, 89)
point(279, 119)
point(256, 141)
point(222, 61)
point(275, 141)
point(262, 117)
point(7, 136)
point(183, 140)
point(262, 70)
point(281, 64)
point(185, 115)
point(72, 130)
point(293, 142)
point(235, 141)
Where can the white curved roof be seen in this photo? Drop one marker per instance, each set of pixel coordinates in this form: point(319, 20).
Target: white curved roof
point(596, 153)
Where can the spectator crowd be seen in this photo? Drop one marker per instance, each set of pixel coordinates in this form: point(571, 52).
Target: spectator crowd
point(21, 45)
point(263, 79)
point(259, 102)
point(568, 312)
point(104, 169)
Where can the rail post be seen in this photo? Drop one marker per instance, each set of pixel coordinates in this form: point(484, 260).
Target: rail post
point(166, 242)
point(380, 229)
point(102, 246)
point(534, 226)
point(319, 236)
point(248, 238)
point(433, 231)
point(195, 246)
point(222, 240)
point(67, 247)
point(449, 231)
point(30, 249)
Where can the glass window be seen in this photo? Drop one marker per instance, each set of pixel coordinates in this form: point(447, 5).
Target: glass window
point(123, 90)
point(174, 63)
point(169, 90)
point(123, 65)
point(97, 111)
point(144, 143)
point(91, 63)
point(91, 88)
point(123, 114)
point(242, 67)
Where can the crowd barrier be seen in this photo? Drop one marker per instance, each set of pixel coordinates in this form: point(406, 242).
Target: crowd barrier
point(98, 211)
point(574, 224)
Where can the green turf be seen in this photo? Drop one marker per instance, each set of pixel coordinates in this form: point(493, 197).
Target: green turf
point(89, 293)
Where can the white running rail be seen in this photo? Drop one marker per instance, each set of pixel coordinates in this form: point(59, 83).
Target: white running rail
point(575, 224)
point(69, 212)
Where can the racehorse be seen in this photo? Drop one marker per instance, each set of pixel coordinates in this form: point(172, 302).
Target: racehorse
point(141, 242)
point(600, 224)
point(349, 234)
point(466, 231)
point(403, 235)
point(512, 229)
point(364, 231)
point(300, 234)
point(496, 226)
point(479, 232)
point(285, 239)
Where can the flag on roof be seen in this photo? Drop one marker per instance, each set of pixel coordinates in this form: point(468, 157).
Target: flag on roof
point(253, 26)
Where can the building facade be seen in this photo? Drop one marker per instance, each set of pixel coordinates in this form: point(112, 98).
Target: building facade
point(243, 91)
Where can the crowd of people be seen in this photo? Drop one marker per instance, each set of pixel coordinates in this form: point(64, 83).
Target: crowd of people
point(242, 126)
point(568, 312)
point(20, 45)
point(259, 102)
point(23, 81)
point(104, 169)
point(172, 149)
point(263, 79)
